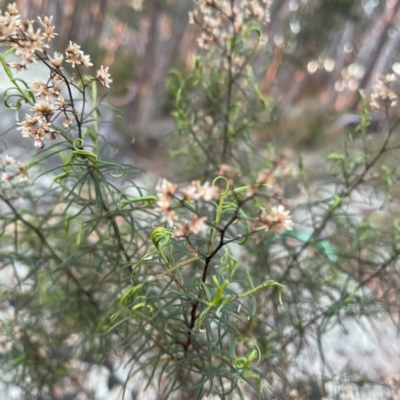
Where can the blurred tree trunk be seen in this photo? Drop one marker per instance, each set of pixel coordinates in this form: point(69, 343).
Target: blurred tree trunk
point(143, 73)
point(386, 53)
point(340, 61)
point(97, 14)
point(74, 21)
point(375, 39)
point(158, 59)
point(30, 8)
point(279, 13)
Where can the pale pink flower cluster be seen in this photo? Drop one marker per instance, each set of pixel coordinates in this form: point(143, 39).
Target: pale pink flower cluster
point(10, 332)
point(30, 45)
point(165, 193)
point(277, 220)
point(383, 96)
point(254, 10)
point(195, 226)
point(170, 198)
point(296, 395)
point(49, 101)
point(228, 170)
point(220, 19)
point(393, 381)
point(11, 169)
point(103, 76)
point(75, 56)
point(23, 37)
point(9, 22)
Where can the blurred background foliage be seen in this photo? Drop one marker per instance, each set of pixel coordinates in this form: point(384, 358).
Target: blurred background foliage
point(319, 54)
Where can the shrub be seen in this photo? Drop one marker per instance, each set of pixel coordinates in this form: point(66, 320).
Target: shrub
point(209, 287)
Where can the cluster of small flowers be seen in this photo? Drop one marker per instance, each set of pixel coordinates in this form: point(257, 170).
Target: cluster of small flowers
point(31, 45)
point(167, 192)
point(254, 10)
point(11, 169)
point(281, 169)
point(295, 395)
point(22, 36)
point(347, 393)
point(75, 56)
point(15, 334)
point(220, 19)
point(228, 171)
point(5, 342)
point(10, 329)
point(49, 101)
point(393, 381)
point(383, 96)
point(284, 167)
point(194, 227)
point(205, 125)
point(277, 220)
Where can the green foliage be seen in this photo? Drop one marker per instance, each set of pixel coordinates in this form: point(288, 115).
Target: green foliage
point(218, 104)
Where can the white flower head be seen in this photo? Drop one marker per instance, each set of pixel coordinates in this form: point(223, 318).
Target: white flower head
point(166, 190)
point(9, 160)
point(277, 220)
point(57, 59)
point(280, 219)
point(104, 77)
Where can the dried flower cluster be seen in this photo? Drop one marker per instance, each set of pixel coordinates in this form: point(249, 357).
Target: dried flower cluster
point(170, 198)
point(347, 393)
point(228, 171)
point(221, 19)
point(49, 103)
point(205, 124)
point(167, 192)
point(279, 170)
point(75, 56)
point(5, 342)
point(12, 169)
point(103, 76)
point(194, 227)
point(277, 220)
point(30, 46)
point(383, 96)
point(393, 381)
point(295, 395)
point(22, 36)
